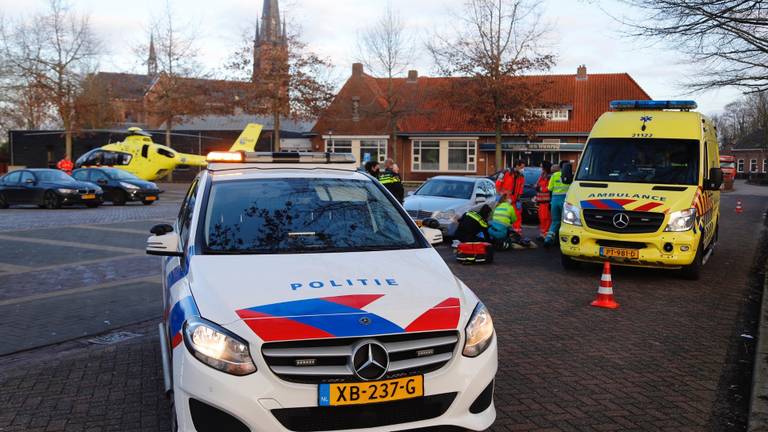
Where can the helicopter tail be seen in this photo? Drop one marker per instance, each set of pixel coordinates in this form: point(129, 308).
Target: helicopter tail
point(247, 140)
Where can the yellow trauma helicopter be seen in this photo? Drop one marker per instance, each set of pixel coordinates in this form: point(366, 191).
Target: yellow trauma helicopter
point(140, 156)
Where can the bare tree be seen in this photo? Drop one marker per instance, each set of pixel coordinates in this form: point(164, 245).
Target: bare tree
point(495, 42)
point(726, 39)
point(743, 118)
point(50, 54)
point(177, 91)
point(290, 81)
point(387, 49)
point(94, 108)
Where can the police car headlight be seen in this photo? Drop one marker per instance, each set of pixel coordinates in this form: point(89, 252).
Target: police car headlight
point(445, 216)
point(128, 185)
point(682, 220)
point(217, 347)
point(67, 191)
point(571, 214)
point(479, 331)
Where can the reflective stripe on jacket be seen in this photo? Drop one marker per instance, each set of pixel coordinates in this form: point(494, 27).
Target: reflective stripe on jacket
point(504, 214)
point(389, 178)
point(542, 192)
point(556, 185)
point(474, 215)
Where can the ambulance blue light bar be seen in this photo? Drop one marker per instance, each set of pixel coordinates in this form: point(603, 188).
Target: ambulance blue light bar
point(620, 105)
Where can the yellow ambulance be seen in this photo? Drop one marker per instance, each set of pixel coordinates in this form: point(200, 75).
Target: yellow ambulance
point(646, 191)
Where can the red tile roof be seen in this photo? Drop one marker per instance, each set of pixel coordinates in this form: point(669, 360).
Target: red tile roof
point(425, 112)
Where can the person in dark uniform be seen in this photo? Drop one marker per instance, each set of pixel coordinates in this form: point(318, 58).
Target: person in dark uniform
point(473, 226)
point(372, 168)
point(390, 179)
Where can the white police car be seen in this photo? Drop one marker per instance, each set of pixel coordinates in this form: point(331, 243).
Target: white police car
point(300, 296)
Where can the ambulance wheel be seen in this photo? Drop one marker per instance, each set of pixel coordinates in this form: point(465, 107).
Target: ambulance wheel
point(693, 270)
point(569, 263)
point(3, 201)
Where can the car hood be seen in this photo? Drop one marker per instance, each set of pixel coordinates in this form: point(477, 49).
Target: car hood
point(634, 197)
point(433, 203)
point(140, 183)
point(292, 297)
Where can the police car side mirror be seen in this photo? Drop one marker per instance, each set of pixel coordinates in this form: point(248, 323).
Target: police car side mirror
point(163, 242)
point(433, 236)
point(714, 180)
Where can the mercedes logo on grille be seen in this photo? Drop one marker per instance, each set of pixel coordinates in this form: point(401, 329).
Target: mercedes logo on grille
point(370, 361)
point(620, 220)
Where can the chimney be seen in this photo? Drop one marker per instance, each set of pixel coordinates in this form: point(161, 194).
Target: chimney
point(413, 76)
point(581, 73)
point(357, 69)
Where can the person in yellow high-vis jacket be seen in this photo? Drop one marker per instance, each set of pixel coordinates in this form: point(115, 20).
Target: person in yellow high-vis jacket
point(559, 189)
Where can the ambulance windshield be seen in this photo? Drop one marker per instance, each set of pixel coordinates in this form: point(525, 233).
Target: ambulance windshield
point(647, 160)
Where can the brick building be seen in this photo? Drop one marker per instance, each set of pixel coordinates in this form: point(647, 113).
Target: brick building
point(434, 139)
point(751, 154)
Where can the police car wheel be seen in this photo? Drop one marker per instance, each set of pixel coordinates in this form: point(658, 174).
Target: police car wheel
point(174, 419)
point(3, 201)
point(568, 263)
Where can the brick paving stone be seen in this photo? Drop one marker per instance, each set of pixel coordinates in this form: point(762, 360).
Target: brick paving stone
point(655, 364)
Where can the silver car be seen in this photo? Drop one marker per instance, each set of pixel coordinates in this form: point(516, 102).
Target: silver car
point(447, 198)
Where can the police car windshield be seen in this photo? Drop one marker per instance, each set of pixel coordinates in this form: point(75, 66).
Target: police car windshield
point(295, 215)
point(447, 189)
point(628, 160)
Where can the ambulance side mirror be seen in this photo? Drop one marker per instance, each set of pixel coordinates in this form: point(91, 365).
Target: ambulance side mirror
point(163, 242)
point(714, 180)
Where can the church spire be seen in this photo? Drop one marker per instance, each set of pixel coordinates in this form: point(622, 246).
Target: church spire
point(271, 30)
point(152, 59)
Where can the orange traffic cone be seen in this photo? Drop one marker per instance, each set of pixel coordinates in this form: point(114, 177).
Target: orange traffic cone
point(739, 207)
point(605, 291)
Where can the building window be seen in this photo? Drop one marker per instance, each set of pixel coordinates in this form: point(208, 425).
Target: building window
point(765, 165)
point(461, 156)
point(426, 156)
point(740, 166)
point(553, 114)
point(338, 145)
point(753, 165)
point(373, 149)
point(444, 155)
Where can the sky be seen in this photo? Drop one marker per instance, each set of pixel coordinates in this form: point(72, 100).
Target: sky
point(582, 32)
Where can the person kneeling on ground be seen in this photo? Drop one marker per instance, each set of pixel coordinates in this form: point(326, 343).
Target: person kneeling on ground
point(502, 228)
point(473, 226)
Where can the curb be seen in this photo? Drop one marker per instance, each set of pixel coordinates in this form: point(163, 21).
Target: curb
point(758, 405)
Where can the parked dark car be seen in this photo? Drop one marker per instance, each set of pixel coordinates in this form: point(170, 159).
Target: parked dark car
point(530, 208)
point(120, 186)
point(48, 188)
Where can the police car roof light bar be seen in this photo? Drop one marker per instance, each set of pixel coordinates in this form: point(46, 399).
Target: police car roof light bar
point(684, 105)
point(297, 157)
point(225, 156)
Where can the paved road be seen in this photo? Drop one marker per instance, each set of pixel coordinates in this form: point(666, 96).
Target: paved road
point(668, 359)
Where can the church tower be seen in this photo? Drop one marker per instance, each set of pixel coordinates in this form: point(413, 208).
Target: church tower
point(152, 59)
point(270, 44)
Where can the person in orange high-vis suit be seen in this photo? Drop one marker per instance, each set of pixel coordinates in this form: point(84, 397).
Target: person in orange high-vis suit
point(516, 185)
point(504, 183)
point(542, 199)
point(65, 165)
